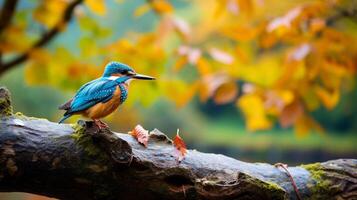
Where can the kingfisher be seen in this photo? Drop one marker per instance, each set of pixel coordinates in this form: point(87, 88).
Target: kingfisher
point(100, 97)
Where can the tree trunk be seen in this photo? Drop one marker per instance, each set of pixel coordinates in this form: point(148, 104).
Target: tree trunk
point(79, 162)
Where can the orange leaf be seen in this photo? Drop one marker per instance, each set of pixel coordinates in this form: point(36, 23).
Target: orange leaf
point(290, 114)
point(140, 134)
point(161, 6)
point(203, 66)
point(226, 93)
point(180, 146)
point(328, 99)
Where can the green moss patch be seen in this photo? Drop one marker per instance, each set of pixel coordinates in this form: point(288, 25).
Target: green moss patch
point(84, 140)
point(321, 188)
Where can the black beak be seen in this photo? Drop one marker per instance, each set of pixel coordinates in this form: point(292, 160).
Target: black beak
point(143, 77)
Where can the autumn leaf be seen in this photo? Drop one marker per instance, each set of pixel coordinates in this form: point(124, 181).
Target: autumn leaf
point(290, 114)
point(141, 10)
point(304, 124)
point(161, 6)
point(180, 147)
point(140, 134)
point(226, 93)
point(253, 109)
point(328, 99)
point(96, 6)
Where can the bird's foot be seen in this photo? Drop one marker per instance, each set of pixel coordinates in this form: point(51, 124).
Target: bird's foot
point(101, 125)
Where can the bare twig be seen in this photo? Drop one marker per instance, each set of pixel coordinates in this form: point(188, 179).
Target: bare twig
point(7, 13)
point(284, 166)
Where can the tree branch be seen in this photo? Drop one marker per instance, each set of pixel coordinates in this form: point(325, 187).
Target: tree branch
point(78, 162)
point(7, 13)
point(44, 39)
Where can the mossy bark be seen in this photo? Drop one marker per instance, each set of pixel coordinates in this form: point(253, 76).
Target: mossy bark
point(80, 162)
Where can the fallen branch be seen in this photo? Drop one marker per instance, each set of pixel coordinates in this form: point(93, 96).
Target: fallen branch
point(78, 162)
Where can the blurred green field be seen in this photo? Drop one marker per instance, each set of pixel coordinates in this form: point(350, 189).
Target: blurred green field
point(223, 133)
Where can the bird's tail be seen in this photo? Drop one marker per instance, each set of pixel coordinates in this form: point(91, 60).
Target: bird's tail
point(64, 118)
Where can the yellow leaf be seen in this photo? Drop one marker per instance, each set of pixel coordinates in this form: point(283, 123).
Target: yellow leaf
point(304, 124)
point(240, 33)
point(182, 92)
point(252, 107)
point(49, 12)
point(328, 99)
point(96, 6)
point(226, 93)
point(187, 95)
point(203, 67)
point(179, 64)
point(161, 6)
point(246, 6)
point(141, 10)
point(36, 73)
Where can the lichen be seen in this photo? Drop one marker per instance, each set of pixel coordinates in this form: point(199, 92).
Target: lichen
point(269, 189)
point(84, 140)
point(274, 190)
point(271, 186)
point(5, 107)
point(321, 187)
point(20, 115)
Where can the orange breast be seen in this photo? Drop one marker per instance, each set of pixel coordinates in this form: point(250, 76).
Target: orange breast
point(101, 110)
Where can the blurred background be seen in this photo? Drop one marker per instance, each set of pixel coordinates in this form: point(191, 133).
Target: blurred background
point(257, 80)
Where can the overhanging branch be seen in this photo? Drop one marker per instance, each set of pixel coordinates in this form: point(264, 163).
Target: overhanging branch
point(44, 39)
point(7, 12)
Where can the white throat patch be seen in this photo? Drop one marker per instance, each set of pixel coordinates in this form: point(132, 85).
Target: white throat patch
point(113, 77)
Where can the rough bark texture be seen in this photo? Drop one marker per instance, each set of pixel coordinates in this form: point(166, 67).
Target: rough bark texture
point(79, 162)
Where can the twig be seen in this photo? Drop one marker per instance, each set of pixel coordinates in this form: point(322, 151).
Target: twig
point(7, 12)
point(284, 166)
point(46, 37)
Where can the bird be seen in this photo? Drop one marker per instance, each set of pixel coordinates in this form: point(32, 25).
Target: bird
point(100, 97)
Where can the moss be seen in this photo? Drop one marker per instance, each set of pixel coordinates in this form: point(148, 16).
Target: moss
point(273, 189)
point(270, 190)
point(271, 186)
point(20, 115)
point(321, 188)
point(84, 140)
point(5, 107)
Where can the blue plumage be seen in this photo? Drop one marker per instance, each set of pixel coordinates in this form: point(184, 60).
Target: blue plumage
point(102, 89)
